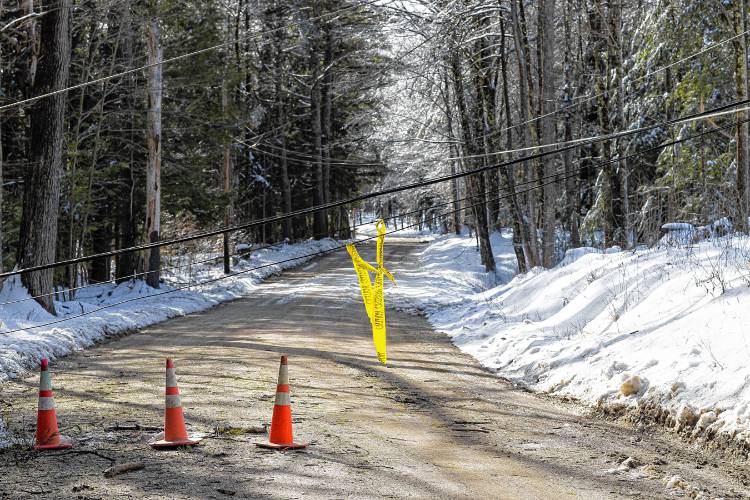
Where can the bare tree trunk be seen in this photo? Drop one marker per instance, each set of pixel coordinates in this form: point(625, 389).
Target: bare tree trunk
point(609, 185)
point(28, 10)
point(519, 38)
point(475, 185)
point(100, 243)
point(521, 234)
point(615, 61)
point(38, 232)
point(571, 179)
point(742, 129)
point(746, 50)
point(153, 167)
point(453, 151)
point(546, 43)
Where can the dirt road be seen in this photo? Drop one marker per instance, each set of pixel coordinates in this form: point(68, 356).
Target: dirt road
point(433, 424)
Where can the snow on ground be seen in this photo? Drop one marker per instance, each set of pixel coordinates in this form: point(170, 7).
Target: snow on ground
point(663, 328)
point(21, 350)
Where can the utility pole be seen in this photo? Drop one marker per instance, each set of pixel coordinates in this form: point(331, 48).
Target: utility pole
point(227, 175)
point(153, 139)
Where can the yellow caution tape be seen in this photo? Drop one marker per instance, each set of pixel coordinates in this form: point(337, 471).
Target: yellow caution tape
point(372, 295)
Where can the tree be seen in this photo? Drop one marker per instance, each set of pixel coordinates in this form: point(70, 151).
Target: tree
point(37, 242)
point(546, 66)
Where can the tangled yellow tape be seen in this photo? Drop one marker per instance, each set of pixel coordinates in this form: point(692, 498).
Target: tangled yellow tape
point(372, 295)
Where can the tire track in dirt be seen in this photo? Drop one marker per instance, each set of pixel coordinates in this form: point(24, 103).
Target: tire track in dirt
point(433, 424)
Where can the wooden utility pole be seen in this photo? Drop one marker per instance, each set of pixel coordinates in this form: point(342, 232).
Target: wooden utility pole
point(153, 139)
point(286, 188)
point(319, 217)
point(38, 233)
point(227, 176)
point(127, 263)
point(316, 117)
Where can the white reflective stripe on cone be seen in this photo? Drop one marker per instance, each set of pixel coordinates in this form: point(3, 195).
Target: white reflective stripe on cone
point(171, 378)
point(283, 399)
point(45, 382)
point(172, 401)
point(283, 374)
point(46, 403)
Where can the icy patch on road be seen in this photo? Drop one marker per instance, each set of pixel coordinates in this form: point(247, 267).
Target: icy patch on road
point(661, 330)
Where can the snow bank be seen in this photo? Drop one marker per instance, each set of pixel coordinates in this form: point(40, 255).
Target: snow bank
point(22, 350)
point(665, 328)
point(449, 273)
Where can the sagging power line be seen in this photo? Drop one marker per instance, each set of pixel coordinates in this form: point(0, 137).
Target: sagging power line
point(362, 197)
point(536, 184)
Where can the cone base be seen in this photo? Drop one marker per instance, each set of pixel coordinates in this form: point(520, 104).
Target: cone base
point(165, 445)
point(62, 445)
point(278, 446)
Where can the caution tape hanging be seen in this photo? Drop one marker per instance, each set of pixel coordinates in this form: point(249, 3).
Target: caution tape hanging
point(372, 295)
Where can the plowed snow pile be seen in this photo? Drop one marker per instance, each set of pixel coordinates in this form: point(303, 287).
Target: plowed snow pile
point(668, 326)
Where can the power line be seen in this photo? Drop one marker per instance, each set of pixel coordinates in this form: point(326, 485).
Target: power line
point(583, 99)
point(129, 277)
point(263, 247)
point(180, 57)
point(227, 276)
point(358, 198)
point(339, 247)
point(717, 112)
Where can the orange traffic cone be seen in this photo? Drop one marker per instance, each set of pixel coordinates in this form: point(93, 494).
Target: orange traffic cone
point(47, 434)
point(175, 432)
point(280, 437)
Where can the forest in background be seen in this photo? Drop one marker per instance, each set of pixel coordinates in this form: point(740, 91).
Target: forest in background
point(307, 102)
point(493, 77)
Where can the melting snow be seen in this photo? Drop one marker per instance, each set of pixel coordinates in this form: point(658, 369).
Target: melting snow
point(667, 326)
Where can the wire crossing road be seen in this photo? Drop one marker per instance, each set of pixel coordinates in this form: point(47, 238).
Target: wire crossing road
point(433, 424)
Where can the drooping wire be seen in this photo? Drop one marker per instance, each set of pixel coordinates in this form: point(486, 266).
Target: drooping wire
point(362, 197)
point(552, 180)
point(181, 56)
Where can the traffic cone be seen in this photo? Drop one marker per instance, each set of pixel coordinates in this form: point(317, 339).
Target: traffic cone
point(175, 432)
point(280, 437)
point(47, 434)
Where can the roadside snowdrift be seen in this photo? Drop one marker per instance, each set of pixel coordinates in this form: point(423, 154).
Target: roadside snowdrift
point(666, 329)
point(22, 350)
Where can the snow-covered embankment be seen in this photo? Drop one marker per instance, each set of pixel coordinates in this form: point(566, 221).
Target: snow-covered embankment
point(663, 332)
point(21, 350)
